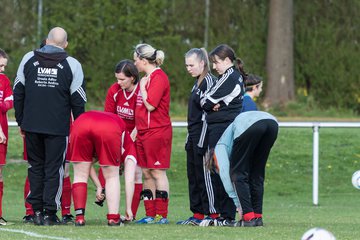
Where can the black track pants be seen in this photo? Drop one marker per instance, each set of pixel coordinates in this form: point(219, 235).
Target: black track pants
point(222, 199)
point(46, 157)
point(201, 189)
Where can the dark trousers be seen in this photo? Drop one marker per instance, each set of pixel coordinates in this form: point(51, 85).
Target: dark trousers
point(201, 190)
point(46, 158)
point(247, 163)
point(222, 200)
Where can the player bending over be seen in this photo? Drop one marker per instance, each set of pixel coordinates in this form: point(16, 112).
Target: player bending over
point(105, 135)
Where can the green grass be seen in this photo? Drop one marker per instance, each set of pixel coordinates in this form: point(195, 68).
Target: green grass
point(288, 209)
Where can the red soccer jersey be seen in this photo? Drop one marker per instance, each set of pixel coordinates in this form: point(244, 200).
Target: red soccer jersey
point(122, 103)
point(6, 101)
point(158, 90)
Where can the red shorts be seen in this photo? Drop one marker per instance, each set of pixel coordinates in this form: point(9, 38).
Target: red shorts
point(153, 148)
point(98, 136)
point(3, 150)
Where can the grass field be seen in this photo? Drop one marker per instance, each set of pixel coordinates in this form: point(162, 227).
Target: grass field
point(288, 209)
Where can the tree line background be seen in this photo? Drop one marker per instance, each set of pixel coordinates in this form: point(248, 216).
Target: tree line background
point(325, 38)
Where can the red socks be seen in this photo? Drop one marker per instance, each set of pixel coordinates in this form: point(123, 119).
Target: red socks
point(1, 196)
point(162, 206)
point(248, 216)
point(79, 218)
point(136, 198)
point(214, 215)
point(28, 207)
point(199, 216)
point(79, 192)
point(66, 197)
point(150, 210)
point(115, 217)
point(258, 215)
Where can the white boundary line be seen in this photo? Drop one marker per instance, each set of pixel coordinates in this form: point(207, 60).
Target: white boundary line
point(31, 234)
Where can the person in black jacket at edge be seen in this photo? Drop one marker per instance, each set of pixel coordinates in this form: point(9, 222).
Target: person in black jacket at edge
point(49, 86)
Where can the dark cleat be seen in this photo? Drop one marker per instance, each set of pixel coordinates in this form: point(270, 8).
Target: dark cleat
point(38, 218)
point(223, 222)
point(51, 219)
point(242, 223)
point(28, 219)
point(259, 222)
point(67, 218)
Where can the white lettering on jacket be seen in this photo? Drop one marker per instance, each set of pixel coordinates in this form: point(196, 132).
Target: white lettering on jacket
point(47, 71)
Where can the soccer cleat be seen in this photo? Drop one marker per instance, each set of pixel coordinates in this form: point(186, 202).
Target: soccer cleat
point(259, 222)
point(51, 219)
point(122, 218)
point(207, 222)
point(146, 220)
point(223, 222)
point(80, 223)
point(67, 218)
point(161, 220)
point(126, 221)
point(38, 218)
point(190, 221)
point(112, 222)
point(28, 219)
point(3, 222)
point(242, 223)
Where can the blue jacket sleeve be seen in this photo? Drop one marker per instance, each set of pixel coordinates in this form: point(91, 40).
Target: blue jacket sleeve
point(224, 172)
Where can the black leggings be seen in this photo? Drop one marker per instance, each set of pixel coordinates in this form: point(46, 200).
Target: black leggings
point(247, 163)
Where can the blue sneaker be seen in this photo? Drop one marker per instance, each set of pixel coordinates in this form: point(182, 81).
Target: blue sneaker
point(190, 221)
point(161, 220)
point(146, 220)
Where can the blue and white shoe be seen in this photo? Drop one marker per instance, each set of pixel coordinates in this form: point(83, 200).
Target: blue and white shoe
point(207, 222)
point(146, 220)
point(190, 221)
point(224, 222)
point(161, 220)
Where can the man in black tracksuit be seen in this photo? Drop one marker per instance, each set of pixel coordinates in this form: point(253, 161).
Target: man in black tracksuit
point(49, 86)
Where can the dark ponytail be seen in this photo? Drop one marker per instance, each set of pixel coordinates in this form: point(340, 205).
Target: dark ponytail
point(224, 51)
point(239, 64)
